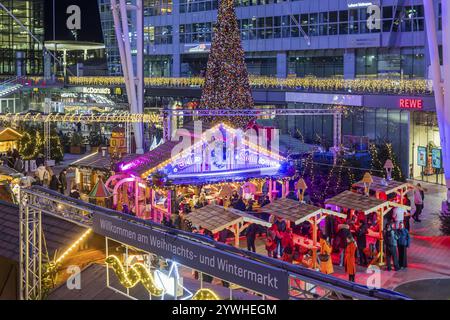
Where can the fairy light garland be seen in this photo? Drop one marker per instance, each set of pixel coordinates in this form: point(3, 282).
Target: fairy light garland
point(74, 245)
point(139, 273)
point(405, 86)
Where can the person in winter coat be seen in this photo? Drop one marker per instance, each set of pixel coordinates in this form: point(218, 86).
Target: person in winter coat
point(176, 220)
point(418, 201)
point(287, 242)
point(342, 235)
point(361, 242)
point(281, 228)
point(271, 244)
point(252, 230)
point(74, 193)
point(54, 183)
point(63, 181)
point(391, 238)
point(325, 249)
point(41, 174)
point(350, 259)
point(239, 204)
point(18, 164)
point(403, 244)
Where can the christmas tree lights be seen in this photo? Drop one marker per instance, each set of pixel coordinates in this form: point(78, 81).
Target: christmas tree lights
point(227, 84)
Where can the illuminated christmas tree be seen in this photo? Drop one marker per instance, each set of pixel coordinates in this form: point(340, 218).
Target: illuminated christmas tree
point(227, 85)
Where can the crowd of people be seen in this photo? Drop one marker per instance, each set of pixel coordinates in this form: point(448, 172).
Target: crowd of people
point(352, 241)
point(43, 175)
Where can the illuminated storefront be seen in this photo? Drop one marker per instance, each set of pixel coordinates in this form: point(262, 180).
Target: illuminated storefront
point(21, 54)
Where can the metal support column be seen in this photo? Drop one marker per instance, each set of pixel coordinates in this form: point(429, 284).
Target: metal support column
point(47, 130)
point(337, 129)
point(134, 79)
point(30, 226)
point(438, 84)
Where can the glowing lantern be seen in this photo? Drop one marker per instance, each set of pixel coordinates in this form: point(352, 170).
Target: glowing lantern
point(388, 166)
point(367, 180)
point(301, 188)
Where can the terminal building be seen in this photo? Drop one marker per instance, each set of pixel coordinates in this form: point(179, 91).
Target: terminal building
point(323, 39)
point(285, 38)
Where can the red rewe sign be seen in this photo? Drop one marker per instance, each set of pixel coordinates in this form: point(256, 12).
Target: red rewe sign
point(411, 103)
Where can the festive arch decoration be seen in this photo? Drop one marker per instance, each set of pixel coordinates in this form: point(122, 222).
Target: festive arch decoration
point(138, 273)
point(139, 183)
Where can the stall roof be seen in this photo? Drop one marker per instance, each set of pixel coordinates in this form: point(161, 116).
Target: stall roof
point(360, 202)
point(291, 210)
point(162, 153)
point(161, 156)
point(378, 186)
point(96, 161)
point(216, 218)
point(9, 134)
point(59, 234)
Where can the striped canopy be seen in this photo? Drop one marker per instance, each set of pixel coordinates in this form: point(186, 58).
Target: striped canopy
point(99, 190)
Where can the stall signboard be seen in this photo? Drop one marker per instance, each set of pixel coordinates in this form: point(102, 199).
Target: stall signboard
point(422, 156)
point(436, 158)
point(233, 268)
point(411, 103)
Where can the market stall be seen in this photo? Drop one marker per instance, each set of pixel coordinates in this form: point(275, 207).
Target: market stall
point(222, 162)
point(217, 218)
point(350, 202)
point(385, 189)
point(297, 212)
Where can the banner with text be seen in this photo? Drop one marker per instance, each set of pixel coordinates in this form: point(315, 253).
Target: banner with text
point(242, 271)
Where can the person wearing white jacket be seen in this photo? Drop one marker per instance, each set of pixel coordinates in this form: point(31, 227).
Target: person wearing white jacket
point(43, 175)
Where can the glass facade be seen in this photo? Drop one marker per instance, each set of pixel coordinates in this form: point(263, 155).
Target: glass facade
point(185, 22)
point(109, 37)
point(391, 62)
point(17, 48)
point(380, 125)
point(323, 64)
point(157, 66)
point(187, 6)
point(157, 7)
point(424, 132)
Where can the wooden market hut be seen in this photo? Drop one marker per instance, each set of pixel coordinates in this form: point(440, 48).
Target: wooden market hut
point(89, 168)
point(9, 139)
point(196, 167)
point(354, 201)
point(217, 218)
point(298, 212)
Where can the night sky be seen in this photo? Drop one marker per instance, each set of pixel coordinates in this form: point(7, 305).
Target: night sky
point(90, 20)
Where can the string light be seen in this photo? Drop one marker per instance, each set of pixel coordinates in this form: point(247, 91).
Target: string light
point(205, 294)
point(405, 86)
point(201, 141)
point(137, 273)
point(74, 245)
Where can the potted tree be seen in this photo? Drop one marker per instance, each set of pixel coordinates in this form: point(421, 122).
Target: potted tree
point(95, 140)
point(76, 143)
